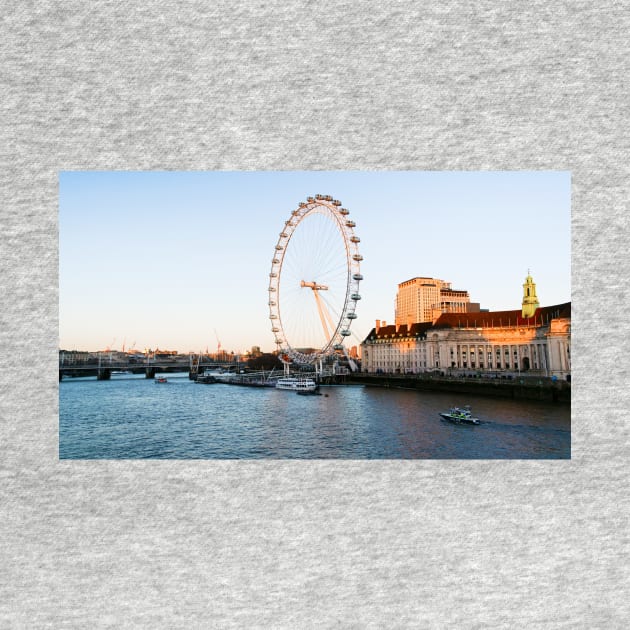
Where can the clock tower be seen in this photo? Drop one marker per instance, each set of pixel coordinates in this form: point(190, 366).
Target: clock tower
point(530, 300)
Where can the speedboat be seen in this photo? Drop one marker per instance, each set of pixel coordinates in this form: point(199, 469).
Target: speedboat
point(161, 379)
point(460, 415)
point(297, 384)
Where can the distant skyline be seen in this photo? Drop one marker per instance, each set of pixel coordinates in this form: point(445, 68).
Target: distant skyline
point(181, 260)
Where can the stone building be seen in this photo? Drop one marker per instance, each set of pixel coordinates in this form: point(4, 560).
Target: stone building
point(522, 341)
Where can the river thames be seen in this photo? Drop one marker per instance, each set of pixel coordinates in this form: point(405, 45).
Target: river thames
point(133, 417)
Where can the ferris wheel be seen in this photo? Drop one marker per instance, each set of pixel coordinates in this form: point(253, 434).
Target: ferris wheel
point(314, 281)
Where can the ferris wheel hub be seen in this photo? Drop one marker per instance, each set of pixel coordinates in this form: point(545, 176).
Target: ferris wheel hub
point(314, 286)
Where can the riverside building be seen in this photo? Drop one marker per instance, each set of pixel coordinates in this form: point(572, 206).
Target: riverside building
point(423, 299)
point(532, 340)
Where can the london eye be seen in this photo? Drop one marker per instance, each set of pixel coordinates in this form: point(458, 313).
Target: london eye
point(314, 281)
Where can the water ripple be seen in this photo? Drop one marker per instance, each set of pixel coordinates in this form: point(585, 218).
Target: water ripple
point(134, 418)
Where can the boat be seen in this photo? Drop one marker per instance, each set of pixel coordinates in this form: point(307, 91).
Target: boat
point(460, 415)
point(161, 379)
point(221, 376)
point(297, 384)
point(206, 379)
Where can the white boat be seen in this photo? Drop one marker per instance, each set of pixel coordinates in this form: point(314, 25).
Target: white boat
point(222, 377)
point(297, 384)
point(459, 415)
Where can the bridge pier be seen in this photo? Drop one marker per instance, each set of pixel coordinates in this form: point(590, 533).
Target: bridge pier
point(149, 372)
point(103, 375)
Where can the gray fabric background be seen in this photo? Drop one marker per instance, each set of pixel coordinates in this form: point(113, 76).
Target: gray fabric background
point(328, 85)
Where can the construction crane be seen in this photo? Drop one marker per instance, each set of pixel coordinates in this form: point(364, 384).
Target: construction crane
point(218, 343)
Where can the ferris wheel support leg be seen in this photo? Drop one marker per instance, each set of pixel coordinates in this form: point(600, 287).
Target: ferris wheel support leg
point(323, 316)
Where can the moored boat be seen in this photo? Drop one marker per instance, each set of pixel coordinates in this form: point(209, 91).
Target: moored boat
point(297, 384)
point(206, 379)
point(459, 415)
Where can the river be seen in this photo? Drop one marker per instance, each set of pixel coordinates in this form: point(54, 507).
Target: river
point(133, 417)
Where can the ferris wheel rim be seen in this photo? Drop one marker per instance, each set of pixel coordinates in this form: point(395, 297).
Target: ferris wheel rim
point(331, 209)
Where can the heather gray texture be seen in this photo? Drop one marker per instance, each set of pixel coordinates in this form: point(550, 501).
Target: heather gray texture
point(328, 85)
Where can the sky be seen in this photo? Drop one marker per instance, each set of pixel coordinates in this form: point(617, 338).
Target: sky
point(181, 260)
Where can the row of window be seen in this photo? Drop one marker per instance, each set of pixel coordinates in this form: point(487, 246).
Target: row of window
point(524, 349)
point(496, 358)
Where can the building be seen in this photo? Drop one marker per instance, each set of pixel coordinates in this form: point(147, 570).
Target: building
point(424, 299)
point(497, 343)
point(530, 300)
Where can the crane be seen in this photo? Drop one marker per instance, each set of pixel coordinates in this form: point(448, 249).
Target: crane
point(218, 343)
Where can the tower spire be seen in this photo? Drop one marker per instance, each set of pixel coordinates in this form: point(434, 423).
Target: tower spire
point(530, 300)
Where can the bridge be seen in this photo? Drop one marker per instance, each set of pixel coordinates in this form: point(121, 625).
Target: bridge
point(103, 368)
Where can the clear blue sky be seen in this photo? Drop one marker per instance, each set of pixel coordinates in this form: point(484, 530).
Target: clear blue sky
point(163, 259)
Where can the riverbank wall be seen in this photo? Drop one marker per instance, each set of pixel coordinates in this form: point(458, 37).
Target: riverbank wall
point(530, 388)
